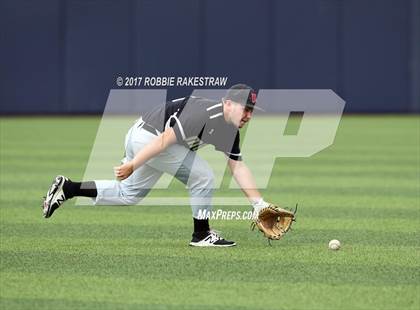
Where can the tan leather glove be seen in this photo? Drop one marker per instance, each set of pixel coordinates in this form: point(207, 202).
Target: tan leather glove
point(273, 221)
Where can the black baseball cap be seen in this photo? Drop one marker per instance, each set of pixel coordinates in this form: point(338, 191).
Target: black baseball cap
point(243, 94)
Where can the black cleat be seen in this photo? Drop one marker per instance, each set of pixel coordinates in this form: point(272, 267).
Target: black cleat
point(211, 240)
point(55, 196)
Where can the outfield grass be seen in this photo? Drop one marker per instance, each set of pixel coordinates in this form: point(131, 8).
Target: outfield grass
point(363, 190)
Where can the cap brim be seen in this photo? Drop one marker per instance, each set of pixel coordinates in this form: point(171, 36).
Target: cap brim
point(254, 107)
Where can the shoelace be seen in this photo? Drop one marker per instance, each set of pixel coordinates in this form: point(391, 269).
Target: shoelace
point(215, 234)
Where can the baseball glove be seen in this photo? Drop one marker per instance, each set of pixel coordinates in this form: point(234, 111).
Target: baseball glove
point(274, 222)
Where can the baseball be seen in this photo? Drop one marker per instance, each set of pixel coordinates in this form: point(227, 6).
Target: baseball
point(334, 245)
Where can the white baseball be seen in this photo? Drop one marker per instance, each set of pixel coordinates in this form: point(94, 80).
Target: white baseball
point(334, 245)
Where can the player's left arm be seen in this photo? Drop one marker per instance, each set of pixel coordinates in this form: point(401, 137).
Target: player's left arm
point(246, 181)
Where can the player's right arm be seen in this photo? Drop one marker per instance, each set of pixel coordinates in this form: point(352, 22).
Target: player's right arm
point(154, 148)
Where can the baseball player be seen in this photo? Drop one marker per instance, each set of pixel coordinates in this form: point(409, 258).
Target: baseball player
point(164, 140)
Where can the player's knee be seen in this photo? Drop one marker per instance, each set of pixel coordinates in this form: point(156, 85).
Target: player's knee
point(134, 196)
point(131, 200)
point(209, 179)
point(205, 179)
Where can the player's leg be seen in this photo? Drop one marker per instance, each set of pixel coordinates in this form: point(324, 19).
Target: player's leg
point(63, 189)
point(103, 192)
point(195, 172)
point(129, 191)
point(199, 177)
point(108, 192)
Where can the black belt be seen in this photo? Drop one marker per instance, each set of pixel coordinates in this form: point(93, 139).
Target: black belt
point(149, 128)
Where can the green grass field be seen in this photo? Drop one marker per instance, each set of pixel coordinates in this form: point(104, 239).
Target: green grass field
point(363, 190)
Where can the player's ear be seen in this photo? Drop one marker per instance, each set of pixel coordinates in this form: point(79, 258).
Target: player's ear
point(227, 106)
point(228, 102)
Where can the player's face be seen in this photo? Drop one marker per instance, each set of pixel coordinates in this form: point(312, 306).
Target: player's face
point(246, 116)
point(240, 115)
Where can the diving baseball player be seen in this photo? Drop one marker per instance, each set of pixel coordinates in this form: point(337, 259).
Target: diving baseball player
point(164, 141)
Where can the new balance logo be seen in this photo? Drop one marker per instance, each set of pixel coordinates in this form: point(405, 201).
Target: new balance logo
point(212, 238)
point(61, 199)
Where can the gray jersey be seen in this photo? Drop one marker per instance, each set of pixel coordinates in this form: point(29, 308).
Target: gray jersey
point(197, 121)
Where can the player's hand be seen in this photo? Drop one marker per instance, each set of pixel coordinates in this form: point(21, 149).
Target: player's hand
point(124, 171)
